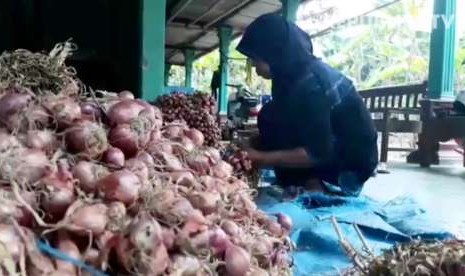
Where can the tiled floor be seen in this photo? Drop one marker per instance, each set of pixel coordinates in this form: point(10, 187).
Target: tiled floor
point(439, 189)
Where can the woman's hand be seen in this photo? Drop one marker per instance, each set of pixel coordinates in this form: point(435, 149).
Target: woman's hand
point(257, 157)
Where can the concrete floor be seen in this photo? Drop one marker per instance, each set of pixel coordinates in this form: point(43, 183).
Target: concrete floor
point(440, 189)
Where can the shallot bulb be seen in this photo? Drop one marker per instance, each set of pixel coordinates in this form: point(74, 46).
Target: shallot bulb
point(91, 112)
point(222, 169)
point(237, 261)
point(126, 95)
point(87, 174)
point(285, 221)
point(84, 218)
point(120, 186)
point(129, 138)
point(42, 140)
point(145, 232)
point(231, 228)
point(196, 136)
point(65, 110)
point(58, 191)
point(12, 105)
point(86, 138)
point(114, 157)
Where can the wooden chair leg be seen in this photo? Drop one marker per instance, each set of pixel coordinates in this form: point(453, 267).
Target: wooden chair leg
point(385, 139)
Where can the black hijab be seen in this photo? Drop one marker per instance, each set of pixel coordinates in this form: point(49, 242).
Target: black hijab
point(286, 48)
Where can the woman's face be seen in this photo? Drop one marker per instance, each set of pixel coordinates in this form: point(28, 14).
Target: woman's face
point(262, 69)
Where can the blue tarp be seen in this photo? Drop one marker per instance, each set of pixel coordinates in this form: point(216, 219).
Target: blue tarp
point(318, 250)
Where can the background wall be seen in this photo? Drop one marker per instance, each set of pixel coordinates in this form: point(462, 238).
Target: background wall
point(107, 33)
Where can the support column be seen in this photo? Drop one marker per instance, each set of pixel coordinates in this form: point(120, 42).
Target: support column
point(189, 57)
point(153, 49)
point(167, 73)
point(441, 80)
point(290, 8)
point(225, 34)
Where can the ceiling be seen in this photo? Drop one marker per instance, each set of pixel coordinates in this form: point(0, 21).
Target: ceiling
point(193, 23)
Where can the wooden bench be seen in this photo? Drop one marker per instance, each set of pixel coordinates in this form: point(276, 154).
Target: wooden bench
point(393, 109)
point(440, 123)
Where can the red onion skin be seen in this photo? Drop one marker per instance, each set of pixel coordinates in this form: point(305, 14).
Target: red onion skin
point(145, 232)
point(139, 168)
point(172, 131)
point(213, 154)
point(65, 110)
point(146, 158)
point(8, 141)
point(207, 202)
point(184, 145)
point(11, 105)
point(199, 163)
point(168, 237)
point(59, 191)
point(126, 95)
point(171, 162)
point(237, 261)
point(155, 149)
point(120, 186)
point(230, 228)
point(219, 241)
point(155, 136)
point(280, 258)
point(274, 228)
point(184, 178)
point(285, 221)
point(88, 173)
point(128, 140)
point(87, 218)
point(68, 247)
point(159, 263)
point(124, 112)
point(32, 165)
point(114, 157)
point(91, 112)
point(11, 239)
point(196, 136)
point(42, 140)
point(10, 208)
point(88, 139)
point(222, 170)
point(128, 111)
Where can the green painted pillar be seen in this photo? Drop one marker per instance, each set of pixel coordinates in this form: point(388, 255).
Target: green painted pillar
point(441, 78)
point(290, 8)
point(189, 58)
point(167, 73)
point(225, 35)
point(153, 48)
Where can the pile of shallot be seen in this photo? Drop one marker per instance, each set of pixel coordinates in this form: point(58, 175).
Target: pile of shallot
point(109, 183)
point(197, 110)
point(242, 165)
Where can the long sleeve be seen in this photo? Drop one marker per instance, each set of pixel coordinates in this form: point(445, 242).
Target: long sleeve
point(314, 128)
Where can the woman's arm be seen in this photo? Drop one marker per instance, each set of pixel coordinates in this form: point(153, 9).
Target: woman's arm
point(296, 158)
point(313, 131)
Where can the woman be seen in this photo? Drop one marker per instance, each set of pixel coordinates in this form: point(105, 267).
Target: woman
point(317, 128)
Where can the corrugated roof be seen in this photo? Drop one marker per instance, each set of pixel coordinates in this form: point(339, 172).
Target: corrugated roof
point(193, 23)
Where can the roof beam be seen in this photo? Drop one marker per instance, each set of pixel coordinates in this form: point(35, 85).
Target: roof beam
point(210, 9)
point(177, 9)
point(224, 17)
point(230, 12)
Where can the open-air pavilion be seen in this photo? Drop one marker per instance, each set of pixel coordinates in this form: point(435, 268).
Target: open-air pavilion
point(144, 38)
